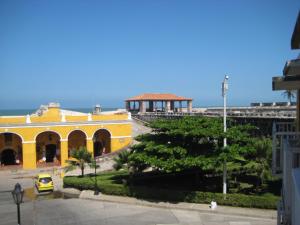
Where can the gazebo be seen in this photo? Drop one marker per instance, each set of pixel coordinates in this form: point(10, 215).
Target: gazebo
point(153, 102)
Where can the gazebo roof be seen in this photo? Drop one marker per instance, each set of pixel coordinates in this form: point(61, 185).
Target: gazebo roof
point(158, 97)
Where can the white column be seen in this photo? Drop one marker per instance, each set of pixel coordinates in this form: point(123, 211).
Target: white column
point(28, 120)
point(189, 107)
point(89, 117)
point(63, 117)
point(129, 115)
point(142, 106)
point(168, 106)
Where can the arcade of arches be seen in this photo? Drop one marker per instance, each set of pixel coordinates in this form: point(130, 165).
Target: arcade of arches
point(47, 136)
point(48, 146)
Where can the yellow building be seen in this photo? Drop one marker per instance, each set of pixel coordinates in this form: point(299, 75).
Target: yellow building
point(46, 137)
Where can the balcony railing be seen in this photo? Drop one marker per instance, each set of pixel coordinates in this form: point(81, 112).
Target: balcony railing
point(282, 132)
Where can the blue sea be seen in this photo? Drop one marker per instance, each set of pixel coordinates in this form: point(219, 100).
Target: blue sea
point(20, 112)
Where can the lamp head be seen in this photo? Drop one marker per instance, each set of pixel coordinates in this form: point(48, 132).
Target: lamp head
point(226, 77)
point(18, 193)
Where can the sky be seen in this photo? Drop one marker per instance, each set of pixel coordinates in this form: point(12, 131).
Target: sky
point(81, 53)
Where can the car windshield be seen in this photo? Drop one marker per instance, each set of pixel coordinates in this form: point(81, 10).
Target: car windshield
point(45, 180)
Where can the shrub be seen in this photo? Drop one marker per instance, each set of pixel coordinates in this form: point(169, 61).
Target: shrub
point(107, 184)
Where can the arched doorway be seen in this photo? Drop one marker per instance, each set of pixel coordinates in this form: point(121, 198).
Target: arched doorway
point(102, 142)
point(8, 157)
point(50, 152)
point(48, 148)
point(76, 139)
point(10, 149)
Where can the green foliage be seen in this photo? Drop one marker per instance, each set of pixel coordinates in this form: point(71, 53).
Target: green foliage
point(112, 184)
point(261, 159)
point(93, 164)
point(80, 158)
point(121, 159)
point(189, 143)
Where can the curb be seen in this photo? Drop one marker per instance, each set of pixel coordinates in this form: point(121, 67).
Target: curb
point(204, 208)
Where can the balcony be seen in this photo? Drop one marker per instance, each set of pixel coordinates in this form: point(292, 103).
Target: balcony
point(289, 205)
point(282, 131)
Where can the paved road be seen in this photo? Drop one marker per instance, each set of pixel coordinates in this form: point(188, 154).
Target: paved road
point(51, 209)
point(138, 128)
point(87, 212)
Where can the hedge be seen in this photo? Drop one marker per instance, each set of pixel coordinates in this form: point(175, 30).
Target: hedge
point(111, 187)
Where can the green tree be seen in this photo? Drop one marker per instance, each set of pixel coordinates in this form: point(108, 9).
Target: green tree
point(190, 143)
point(80, 158)
point(260, 159)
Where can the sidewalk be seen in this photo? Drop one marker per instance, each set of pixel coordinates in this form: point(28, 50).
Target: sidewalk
point(225, 210)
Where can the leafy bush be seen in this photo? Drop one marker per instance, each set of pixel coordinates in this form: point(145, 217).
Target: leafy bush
point(110, 184)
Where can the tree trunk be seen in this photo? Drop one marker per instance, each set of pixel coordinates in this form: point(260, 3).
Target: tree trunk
point(82, 170)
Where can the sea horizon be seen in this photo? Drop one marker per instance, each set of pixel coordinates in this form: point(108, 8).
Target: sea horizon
point(20, 112)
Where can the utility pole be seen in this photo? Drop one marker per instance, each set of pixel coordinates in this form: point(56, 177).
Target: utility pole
point(224, 92)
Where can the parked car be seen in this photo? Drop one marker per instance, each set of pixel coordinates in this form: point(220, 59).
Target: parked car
point(44, 182)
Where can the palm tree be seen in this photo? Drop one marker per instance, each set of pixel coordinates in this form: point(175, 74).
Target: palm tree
point(80, 158)
point(289, 94)
point(121, 160)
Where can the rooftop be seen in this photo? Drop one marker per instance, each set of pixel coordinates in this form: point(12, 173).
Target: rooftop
point(158, 97)
point(295, 42)
point(52, 114)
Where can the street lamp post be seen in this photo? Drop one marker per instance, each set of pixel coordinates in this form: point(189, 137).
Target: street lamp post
point(95, 166)
point(17, 194)
point(224, 92)
point(96, 191)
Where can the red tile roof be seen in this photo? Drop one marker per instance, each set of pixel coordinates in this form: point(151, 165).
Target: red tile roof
point(158, 97)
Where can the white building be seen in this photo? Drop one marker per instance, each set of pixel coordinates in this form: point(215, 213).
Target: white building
point(286, 141)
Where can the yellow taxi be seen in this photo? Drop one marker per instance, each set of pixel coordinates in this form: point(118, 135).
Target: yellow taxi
point(44, 182)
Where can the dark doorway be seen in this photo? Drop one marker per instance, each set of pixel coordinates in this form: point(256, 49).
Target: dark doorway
point(50, 152)
point(8, 157)
point(98, 148)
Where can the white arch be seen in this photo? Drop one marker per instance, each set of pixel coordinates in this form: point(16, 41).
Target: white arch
point(86, 136)
point(7, 132)
point(47, 131)
point(102, 129)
